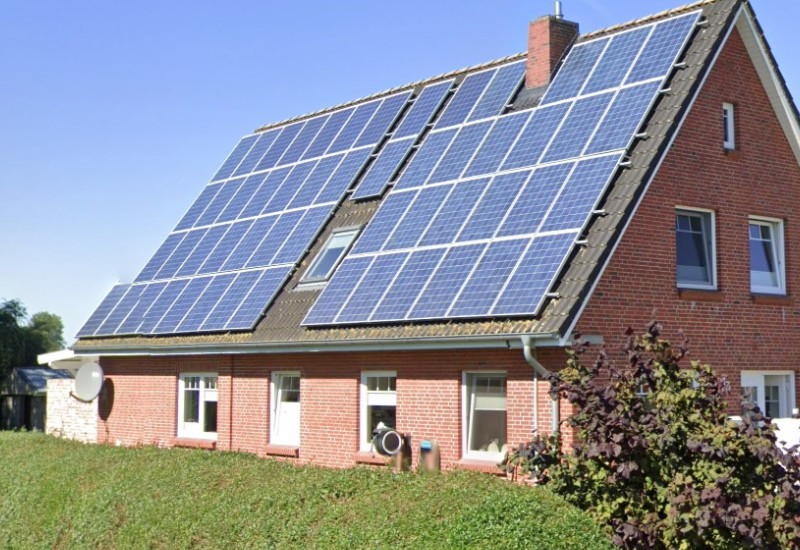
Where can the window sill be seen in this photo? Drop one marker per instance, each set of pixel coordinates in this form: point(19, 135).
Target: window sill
point(190, 443)
point(697, 295)
point(475, 465)
point(772, 299)
point(732, 152)
point(369, 457)
point(283, 450)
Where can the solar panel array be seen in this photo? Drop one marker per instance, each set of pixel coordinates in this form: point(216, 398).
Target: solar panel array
point(484, 208)
point(236, 245)
point(485, 214)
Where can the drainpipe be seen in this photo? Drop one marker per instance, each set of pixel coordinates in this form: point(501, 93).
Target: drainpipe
point(539, 370)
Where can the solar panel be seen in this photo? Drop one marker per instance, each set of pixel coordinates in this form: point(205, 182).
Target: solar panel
point(485, 213)
point(426, 104)
point(235, 158)
point(426, 159)
point(407, 231)
point(270, 200)
point(103, 310)
point(446, 281)
point(259, 149)
point(465, 98)
point(506, 82)
point(576, 69)
point(485, 284)
point(497, 143)
point(383, 169)
point(460, 152)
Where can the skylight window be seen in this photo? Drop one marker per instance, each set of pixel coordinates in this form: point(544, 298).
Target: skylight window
point(337, 246)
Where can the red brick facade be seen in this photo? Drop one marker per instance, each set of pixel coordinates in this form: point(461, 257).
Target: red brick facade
point(730, 327)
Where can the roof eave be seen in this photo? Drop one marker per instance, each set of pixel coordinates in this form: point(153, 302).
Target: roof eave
point(499, 341)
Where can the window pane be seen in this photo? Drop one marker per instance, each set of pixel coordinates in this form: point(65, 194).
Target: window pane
point(330, 256)
point(763, 269)
point(692, 249)
point(378, 414)
point(210, 420)
point(191, 406)
point(486, 422)
point(372, 383)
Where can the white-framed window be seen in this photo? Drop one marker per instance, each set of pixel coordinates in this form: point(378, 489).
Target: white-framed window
point(378, 403)
point(728, 126)
point(484, 413)
point(285, 409)
point(695, 248)
point(767, 272)
point(772, 391)
point(197, 405)
point(330, 256)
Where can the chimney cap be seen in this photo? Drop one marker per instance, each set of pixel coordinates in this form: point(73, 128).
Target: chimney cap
point(558, 13)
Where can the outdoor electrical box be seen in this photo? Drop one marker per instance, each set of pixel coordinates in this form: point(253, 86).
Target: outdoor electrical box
point(429, 456)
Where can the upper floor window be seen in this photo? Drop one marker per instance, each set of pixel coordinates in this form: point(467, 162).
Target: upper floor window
point(694, 244)
point(332, 253)
point(766, 256)
point(197, 406)
point(729, 135)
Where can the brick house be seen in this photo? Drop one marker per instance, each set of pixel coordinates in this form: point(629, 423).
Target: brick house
point(649, 167)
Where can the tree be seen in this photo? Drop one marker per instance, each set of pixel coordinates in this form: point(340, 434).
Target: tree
point(658, 461)
point(21, 342)
point(50, 329)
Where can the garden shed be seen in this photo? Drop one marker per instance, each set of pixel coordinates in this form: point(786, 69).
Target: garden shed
point(23, 397)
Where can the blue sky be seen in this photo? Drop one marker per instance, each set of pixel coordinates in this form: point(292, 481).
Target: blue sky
point(114, 115)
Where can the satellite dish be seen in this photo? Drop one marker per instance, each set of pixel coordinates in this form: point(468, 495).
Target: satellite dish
point(88, 381)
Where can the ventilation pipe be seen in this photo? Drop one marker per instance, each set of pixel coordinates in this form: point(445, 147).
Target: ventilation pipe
point(559, 14)
point(539, 370)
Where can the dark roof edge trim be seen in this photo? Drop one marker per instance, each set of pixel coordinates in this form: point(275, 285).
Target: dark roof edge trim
point(508, 341)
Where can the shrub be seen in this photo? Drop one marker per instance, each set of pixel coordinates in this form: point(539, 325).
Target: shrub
point(658, 461)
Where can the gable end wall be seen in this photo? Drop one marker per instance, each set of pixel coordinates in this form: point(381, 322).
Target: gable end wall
point(731, 329)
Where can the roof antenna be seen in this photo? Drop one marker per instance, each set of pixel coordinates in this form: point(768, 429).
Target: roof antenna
point(559, 14)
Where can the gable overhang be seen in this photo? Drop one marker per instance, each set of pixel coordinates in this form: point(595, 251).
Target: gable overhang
point(771, 78)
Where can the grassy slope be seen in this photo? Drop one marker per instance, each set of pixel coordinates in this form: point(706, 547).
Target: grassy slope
point(66, 495)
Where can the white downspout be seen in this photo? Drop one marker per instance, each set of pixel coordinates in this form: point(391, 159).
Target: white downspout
point(538, 370)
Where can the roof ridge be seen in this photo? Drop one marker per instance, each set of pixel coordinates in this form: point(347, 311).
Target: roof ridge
point(396, 89)
point(647, 19)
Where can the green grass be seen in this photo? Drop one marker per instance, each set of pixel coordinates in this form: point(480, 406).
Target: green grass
point(59, 494)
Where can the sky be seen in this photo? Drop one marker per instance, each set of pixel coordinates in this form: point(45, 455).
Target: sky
point(114, 115)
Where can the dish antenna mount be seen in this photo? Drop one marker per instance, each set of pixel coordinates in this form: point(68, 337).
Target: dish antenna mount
point(88, 382)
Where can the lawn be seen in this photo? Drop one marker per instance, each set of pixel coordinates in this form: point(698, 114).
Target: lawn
point(60, 494)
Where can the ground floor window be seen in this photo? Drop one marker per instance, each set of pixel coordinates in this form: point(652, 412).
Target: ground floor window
point(378, 403)
point(773, 392)
point(285, 420)
point(197, 405)
point(485, 415)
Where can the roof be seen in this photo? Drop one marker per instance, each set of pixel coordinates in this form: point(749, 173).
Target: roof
point(30, 380)
point(282, 327)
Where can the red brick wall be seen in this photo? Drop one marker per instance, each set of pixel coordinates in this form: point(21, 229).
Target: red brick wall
point(429, 399)
point(730, 328)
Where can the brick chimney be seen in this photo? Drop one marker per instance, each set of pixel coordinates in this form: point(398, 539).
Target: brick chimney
point(548, 40)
